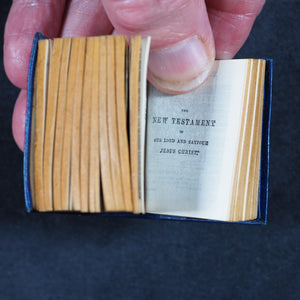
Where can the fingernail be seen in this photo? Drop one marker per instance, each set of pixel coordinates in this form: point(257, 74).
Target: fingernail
point(181, 67)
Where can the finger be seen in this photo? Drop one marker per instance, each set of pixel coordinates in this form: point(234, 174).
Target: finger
point(182, 46)
point(231, 22)
point(18, 120)
point(86, 18)
point(24, 20)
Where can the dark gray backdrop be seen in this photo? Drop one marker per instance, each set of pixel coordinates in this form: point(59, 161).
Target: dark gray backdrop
point(59, 256)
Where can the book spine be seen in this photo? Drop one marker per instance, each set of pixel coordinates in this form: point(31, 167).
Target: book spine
point(26, 165)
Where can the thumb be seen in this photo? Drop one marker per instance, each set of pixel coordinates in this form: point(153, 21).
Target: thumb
point(182, 47)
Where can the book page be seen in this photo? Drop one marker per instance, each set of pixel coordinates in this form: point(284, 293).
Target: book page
point(139, 52)
point(40, 107)
point(192, 142)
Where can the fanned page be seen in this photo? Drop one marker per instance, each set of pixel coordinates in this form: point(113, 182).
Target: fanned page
point(193, 142)
point(121, 98)
point(39, 119)
point(245, 185)
point(139, 52)
point(59, 124)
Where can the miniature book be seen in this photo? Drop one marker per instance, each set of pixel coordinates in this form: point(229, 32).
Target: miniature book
point(99, 139)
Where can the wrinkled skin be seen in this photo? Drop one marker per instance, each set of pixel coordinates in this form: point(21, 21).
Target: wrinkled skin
point(187, 35)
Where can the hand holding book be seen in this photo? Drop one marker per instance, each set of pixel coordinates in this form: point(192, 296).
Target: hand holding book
point(195, 155)
point(170, 23)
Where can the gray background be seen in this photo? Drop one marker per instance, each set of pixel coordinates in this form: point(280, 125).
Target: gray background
point(59, 256)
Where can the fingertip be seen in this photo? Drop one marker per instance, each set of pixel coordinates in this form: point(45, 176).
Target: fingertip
point(182, 44)
point(182, 67)
point(18, 119)
point(16, 61)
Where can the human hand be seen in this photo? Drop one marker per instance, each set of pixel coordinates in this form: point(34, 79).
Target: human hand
point(187, 36)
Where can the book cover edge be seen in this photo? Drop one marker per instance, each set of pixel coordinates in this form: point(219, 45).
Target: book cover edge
point(26, 163)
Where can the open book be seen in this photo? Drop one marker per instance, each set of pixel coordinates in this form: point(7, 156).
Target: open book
point(99, 140)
